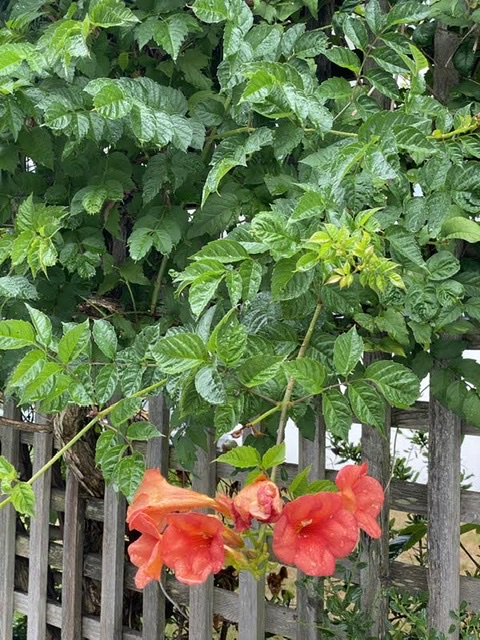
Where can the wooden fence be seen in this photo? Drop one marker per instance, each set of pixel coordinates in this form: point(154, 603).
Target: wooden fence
point(56, 556)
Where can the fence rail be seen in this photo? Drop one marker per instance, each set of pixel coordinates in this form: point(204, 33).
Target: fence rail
point(57, 550)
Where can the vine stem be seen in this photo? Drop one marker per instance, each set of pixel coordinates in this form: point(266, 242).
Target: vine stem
point(285, 404)
point(158, 284)
point(82, 432)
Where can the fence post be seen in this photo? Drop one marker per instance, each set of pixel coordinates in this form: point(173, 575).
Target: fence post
point(374, 553)
point(39, 539)
point(443, 513)
point(309, 600)
point(157, 457)
point(72, 565)
point(113, 558)
point(201, 596)
point(10, 442)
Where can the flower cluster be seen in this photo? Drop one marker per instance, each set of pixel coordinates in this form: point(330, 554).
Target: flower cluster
point(310, 532)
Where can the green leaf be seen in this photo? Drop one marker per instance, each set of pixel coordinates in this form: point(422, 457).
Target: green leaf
point(227, 416)
point(74, 342)
point(15, 334)
point(28, 368)
point(7, 470)
point(202, 291)
point(128, 474)
point(234, 283)
point(399, 385)
point(172, 31)
point(461, 228)
point(383, 82)
point(287, 282)
point(241, 457)
point(367, 404)
point(225, 251)
point(442, 265)
point(211, 11)
point(374, 16)
point(111, 13)
point(105, 337)
point(111, 102)
point(209, 385)
point(142, 430)
point(299, 485)
point(180, 352)
point(106, 383)
point(42, 324)
point(230, 342)
point(274, 456)
point(251, 273)
point(354, 29)
point(259, 369)
point(344, 58)
point(471, 408)
point(124, 410)
point(337, 413)
point(23, 499)
point(17, 287)
point(307, 372)
point(105, 441)
point(347, 351)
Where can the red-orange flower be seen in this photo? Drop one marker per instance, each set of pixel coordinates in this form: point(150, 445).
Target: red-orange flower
point(361, 495)
point(313, 531)
point(193, 546)
point(260, 500)
point(156, 498)
point(146, 552)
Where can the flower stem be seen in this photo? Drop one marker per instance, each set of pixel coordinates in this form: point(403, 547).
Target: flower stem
point(82, 432)
point(285, 404)
point(158, 284)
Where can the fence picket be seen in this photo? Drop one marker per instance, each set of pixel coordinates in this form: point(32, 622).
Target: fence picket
point(201, 596)
point(375, 552)
point(443, 513)
point(113, 559)
point(309, 600)
point(251, 615)
point(156, 457)
point(39, 538)
point(72, 564)
point(10, 442)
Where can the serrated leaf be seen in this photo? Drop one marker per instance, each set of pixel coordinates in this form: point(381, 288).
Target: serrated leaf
point(274, 456)
point(234, 283)
point(28, 368)
point(142, 431)
point(180, 352)
point(367, 404)
point(337, 413)
point(344, 58)
point(105, 337)
point(124, 410)
point(230, 342)
point(15, 334)
point(225, 251)
point(23, 499)
point(128, 474)
point(17, 287)
point(203, 290)
point(347, 351)
point(241, 457)
point(170, 33)
point(259, 369)
point(111, 13)
point(251, 273)
point(307, 372)
point(299, 485)
point(111, 102)
point(442, 265)
point(209, 385)
point(7, 470)
point(74, 342)
point(106, 383)
point(399, 385)
point(42, 324)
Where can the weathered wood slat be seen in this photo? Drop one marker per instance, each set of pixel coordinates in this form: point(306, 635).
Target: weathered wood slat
point(10, 440)
point(113, 558)
point(251, 615)
point(201, 596)
point(309, 600)
point(443, 516)
point(374, 552)
point(72, 565)
point(39, 540)
point(416, 418)
point(156, 457)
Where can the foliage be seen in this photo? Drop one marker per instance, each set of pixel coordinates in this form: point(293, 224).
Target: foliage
point(241, 200)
